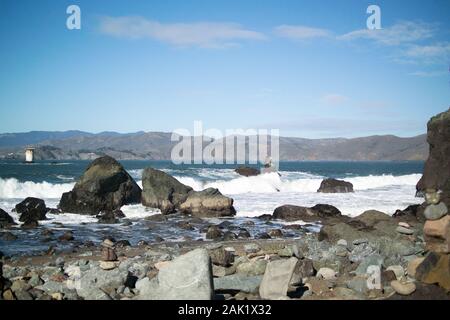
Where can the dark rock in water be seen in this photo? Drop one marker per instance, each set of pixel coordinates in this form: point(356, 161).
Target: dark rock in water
point(244, 234)
point(162, 191)
point(436, 174)
point(142, 243)
point(213, 233)
point(5, 219)
point(275, 233)
point(185, 225)
point(31, 209)
point(318, 212)
point(208, 203)
point(263, 235)
point(247, 171)
point(157, 218)
point(335, 186)
point(104, 186)
point(110, 217)
point(67, 236)
point(228, 236)
point(413, 211)
point(265, 217)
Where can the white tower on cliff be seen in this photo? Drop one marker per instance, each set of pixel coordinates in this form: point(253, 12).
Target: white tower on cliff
point(29, 155)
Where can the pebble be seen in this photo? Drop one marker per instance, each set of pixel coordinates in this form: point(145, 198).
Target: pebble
point(57, 296)
point(435, 211)
point(404, 224)
point(432, 197)
point(403, 288)
point(108, 243)
point(412, 266)
point(404, 230)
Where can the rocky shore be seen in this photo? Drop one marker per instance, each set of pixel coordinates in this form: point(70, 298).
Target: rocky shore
point(298, 253)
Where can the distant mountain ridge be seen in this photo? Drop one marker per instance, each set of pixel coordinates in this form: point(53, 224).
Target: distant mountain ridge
point(73, 145)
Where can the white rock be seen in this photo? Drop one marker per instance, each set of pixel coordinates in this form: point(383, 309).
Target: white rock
point(108, 265)
point(326, 273)
point(404, 224)
point(342, 242)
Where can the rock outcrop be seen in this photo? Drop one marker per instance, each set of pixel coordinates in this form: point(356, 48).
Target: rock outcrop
point(104, 186)
point(294, 213)
point(247, 171)
point(31, 209)
point(166, 193)
point(436, 174)
point(435, 185)
point(335, 186)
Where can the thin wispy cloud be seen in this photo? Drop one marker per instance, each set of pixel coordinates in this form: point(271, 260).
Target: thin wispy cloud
point(429, 74)
point(433, 53)
point(297, 32)
point(199, 34)
point(400, 33)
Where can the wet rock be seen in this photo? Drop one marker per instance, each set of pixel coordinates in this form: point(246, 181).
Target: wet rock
point(29, 224)
point(104, 186)
point(412, 211)
point(263, 235)
point(110, 216)
point(8, 236)
point(275, 233)
point(335, 186)
point(5, 220)
point(295, 213)
point(244, 234)
point(277, 278)
point(238, 282)
point(67, 236)
point(247, 171)
point(229, 236)
point(31, 209)
point(188, 277)
point(213, 233)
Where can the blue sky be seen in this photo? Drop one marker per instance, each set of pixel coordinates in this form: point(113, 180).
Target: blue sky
point(309, 68)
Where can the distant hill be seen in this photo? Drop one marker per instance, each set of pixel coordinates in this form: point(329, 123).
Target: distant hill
point(72, 145)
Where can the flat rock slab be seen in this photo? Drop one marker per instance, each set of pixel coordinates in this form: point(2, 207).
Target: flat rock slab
point(276, 279)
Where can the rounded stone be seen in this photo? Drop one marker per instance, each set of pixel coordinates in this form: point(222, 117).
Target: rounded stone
point(435, 211)
point(404, 230)
point(403, 288)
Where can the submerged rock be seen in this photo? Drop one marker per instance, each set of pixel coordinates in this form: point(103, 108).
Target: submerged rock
point(104, 186)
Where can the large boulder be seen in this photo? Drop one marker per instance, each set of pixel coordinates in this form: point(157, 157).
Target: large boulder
point(188, 277)
point(436, 173)
point(208, 203)
point(104, 186)
point(5, 219)
point(162, 191)
point(277, 277)
point(31, 209)
point(247, 171)
point(335, 186)
point(294, 213)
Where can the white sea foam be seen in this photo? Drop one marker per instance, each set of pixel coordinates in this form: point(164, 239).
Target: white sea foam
point(11, 188)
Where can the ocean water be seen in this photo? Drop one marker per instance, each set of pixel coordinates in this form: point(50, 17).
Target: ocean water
point(384, 186)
